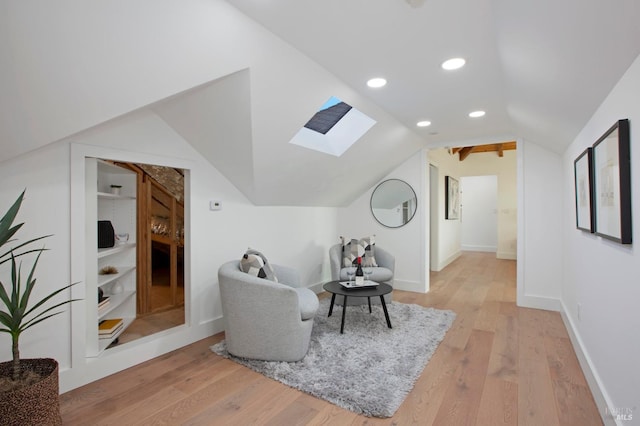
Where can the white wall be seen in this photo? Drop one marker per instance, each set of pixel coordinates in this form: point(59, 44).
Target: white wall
point(296, 236)
point(479, 213)
point(540, 200)
point(602, 276)
point(448, 242)
point(407, 243)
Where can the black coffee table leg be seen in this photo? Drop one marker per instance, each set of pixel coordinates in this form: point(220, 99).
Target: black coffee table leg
point(333, 299)
point(344, 309)
point(369, 300)
point(386, 313)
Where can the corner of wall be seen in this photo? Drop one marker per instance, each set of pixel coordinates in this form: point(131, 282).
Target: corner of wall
point(446, 262)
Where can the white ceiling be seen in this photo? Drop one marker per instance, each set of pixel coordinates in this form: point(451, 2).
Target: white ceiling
point(238, 78)
point(538, 68)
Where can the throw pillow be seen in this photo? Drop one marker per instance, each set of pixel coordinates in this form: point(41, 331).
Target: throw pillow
point(364, 248)
point(254, 263)
point(369, 244)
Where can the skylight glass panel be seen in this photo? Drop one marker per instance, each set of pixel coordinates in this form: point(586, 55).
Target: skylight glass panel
point(334, 128)
point(328, 116)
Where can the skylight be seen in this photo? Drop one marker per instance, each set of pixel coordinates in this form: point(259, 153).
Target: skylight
point(330, 113)
point(334, 128)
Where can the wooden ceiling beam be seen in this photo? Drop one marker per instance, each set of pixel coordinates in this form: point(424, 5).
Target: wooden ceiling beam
point(464, 152)
point(499, 147)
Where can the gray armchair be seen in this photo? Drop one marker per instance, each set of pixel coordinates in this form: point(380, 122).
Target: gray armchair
point(383, 273)
point(264, 319)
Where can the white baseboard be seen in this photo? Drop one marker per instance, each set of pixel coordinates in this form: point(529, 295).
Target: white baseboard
point(593, 380)
point(488, 249)
point(415, 286)
point(507, 255)
point(538, 302)
point(447, 261)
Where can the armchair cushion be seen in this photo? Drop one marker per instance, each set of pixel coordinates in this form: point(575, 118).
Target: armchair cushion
point(254, 263)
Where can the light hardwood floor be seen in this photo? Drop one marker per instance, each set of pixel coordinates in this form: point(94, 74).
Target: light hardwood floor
point(152, 323)
point(498, 365)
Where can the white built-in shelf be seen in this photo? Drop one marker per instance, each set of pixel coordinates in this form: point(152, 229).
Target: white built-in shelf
point(110, 196)
point(103, 252)
point(104, 343)
point(121, 210)
point(115, 300)
point(107, 278)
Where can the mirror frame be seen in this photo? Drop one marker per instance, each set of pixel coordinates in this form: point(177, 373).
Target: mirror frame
point(378, 187)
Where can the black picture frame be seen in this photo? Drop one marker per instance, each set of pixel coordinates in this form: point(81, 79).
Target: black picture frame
point(452, 198)
point(611, 159)
point(583, 184)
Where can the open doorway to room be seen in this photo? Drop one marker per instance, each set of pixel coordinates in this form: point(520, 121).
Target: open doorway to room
point(451, 234)
point(160, 250)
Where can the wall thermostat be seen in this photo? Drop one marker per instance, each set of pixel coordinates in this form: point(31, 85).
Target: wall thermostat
point(215, 205)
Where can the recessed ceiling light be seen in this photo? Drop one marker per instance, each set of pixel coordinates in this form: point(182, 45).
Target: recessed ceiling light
point(376, 82)
point(453, 64)
point(476, 114)
point(424, 123)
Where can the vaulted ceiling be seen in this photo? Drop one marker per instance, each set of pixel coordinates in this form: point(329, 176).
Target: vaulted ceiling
point(538, 68)
point(238, 78)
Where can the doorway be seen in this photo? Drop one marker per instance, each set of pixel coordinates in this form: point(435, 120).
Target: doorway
point(160, 250)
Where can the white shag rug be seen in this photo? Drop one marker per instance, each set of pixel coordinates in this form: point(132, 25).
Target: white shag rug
point(370, 368)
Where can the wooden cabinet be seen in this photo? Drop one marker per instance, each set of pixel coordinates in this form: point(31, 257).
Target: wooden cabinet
point(117, 206)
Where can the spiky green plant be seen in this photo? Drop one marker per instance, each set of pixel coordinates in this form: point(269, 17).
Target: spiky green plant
point(19, 316)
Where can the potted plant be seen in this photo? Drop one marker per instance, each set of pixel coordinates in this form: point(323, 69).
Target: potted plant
point(28, 387)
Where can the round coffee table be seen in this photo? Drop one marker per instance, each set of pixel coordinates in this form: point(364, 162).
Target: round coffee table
point(335, 288)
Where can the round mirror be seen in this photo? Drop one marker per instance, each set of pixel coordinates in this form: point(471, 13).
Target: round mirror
point(393, 203)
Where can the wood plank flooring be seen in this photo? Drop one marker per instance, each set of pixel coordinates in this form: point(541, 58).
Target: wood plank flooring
point(498, 365)
point(153, 323)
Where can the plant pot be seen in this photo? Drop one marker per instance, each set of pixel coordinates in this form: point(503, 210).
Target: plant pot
point(36, 404)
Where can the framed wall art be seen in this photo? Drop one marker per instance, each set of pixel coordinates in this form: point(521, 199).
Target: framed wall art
point(612, 184)
point(583, 181)
point(452, 198)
